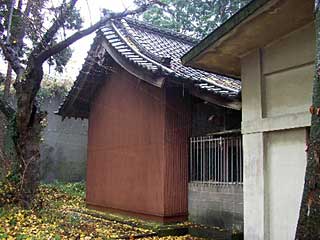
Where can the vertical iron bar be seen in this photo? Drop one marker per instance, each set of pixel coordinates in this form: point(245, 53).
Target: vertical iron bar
point(200, 149)
point(221, 162)
point(227, 158)
point(218, 160)
point(238, 177)
point(209, 160)
point(198, 158)
point(236, 158)
point(191, 159)
point(204, 160)
point(215, 161)
point(241, 165)
point(197, 161)
point(231, 143)
point(224, 160)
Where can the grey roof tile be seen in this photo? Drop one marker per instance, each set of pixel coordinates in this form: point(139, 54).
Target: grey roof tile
point(153, 49)
point(158, 44)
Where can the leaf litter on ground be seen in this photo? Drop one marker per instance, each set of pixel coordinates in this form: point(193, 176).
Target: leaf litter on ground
point(59, 212)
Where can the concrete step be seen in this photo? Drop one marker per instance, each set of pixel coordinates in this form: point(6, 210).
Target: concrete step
point(214, 233)
point(162, 230)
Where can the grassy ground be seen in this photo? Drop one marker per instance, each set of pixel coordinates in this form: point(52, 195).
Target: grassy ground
point(60, 213)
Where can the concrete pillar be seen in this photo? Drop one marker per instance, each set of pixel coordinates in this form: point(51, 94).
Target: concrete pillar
point(253, 146)
point(253, 186)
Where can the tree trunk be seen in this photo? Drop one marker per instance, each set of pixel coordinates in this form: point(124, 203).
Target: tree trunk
point(28, 134)
point(28, 155)
point(309, 220)
point(7, 83)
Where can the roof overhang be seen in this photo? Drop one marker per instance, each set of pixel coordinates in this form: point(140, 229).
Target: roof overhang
point(117, 44)
point(254, 26)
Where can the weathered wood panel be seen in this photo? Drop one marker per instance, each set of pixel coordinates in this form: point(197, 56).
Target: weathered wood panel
point(129, 167)
point(177, 133)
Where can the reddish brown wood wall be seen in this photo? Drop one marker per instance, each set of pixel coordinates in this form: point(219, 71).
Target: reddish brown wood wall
point(177, 133)
point(133, 164)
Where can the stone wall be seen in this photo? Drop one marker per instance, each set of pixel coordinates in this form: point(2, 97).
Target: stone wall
point(64, 147)
point(216, 205)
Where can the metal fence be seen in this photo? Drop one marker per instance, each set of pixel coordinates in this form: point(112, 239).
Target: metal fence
point(216, 159)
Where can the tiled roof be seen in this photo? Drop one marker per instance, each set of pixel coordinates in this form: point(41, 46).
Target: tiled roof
point(157, 51)
point(139, 41)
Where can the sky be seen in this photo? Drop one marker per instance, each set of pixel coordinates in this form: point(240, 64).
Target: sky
point(90, 11)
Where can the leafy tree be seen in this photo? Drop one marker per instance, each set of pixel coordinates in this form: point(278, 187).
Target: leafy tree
point(192, 17)
point(309, 219)
point(32, 46)
point(25, 35)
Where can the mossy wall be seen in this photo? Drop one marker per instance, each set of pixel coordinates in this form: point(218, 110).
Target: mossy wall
point(64, 147)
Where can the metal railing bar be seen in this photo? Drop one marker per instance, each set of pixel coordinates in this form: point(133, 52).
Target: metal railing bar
point(216, 159)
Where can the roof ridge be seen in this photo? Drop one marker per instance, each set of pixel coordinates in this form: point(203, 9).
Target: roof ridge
point(162, 30)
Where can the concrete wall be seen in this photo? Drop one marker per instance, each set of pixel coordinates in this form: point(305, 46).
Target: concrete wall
point(216, 205)
point(64, 147)
point(282, 198)
point(63, 150)
point(276, 95)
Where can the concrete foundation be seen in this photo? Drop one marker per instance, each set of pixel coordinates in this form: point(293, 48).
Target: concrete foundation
point(216, 205)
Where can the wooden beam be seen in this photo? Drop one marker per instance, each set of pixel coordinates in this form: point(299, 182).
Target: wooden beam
point(218, 100)
point(135, 70)
point(82, 78)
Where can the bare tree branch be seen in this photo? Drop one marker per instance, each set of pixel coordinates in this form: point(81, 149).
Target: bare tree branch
point(44, 55)
point(10, 20)
point(22, 31)
point(9, 52)
point(11, 56)
point(48, 36)
point(27, 9)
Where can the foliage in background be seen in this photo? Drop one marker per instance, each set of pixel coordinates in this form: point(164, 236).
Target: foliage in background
point(192, 17)
point(52, 86)
point(41, 12)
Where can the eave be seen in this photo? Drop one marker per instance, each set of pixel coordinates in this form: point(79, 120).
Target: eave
point(254, 26)
point(149, 61)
